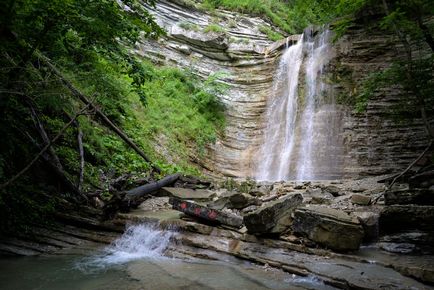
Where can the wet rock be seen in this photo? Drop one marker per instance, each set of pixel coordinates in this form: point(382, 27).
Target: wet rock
point(369, 222)
point(403, 248)
point(360, 199)
point(334, 190)
point(406, 242)
point(261, 190)
point(235, 200)
point(409, 196)
point(249, 209)
point(186, 193)
point(274, 217)
point(331, 228)
point(406, 217)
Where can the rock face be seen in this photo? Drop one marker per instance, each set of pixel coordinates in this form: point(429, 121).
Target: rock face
point(409, 196)
point(406, 217)
point(372, 143)
point(274, 217)
point(241, 52)
point(328, 227)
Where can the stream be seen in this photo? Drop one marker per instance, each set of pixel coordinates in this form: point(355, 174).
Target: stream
point(139, 260)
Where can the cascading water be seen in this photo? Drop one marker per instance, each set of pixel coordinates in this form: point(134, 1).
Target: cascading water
point(138, 242)
point(302, 138)
point(317, 57)
point(281, 115)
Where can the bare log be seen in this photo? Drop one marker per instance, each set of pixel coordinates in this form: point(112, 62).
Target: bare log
point(151, 187)
point(204, 213)
point(98, 112)
point(43, 150)
point(60, 174)
point(81, 152)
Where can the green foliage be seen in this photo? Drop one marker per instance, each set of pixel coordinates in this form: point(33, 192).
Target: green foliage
point(214, 28)
point(183, 113)
point(189, 26)
point(272, 35)
point(291, 16)
point(413, 78)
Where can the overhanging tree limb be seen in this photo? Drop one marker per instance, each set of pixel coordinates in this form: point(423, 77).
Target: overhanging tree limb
point(43, 150)
point(98, 112)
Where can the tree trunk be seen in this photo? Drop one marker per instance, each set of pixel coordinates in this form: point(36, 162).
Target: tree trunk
point(98, 112)
point(204, 213)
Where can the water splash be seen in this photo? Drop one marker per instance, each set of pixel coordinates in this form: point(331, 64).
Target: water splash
point(138, 242)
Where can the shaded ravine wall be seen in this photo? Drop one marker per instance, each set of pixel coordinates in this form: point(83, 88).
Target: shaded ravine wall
point(372, 144)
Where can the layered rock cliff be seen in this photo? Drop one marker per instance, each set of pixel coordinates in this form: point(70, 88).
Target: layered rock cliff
point(232, 43)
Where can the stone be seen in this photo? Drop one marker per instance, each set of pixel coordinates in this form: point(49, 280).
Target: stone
point(334, 190)
point(369, 222)
point(328, 227)
point(360, 199)
point(409, 196)
point(187, 193)
point(273, 217)
point(235, 200)
point(395, 218)
point(261, 190)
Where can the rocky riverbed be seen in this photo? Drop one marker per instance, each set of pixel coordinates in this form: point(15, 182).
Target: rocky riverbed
point(343, 232)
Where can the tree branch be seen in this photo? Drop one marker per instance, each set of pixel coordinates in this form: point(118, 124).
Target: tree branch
point(43, 150)
point(98, 112)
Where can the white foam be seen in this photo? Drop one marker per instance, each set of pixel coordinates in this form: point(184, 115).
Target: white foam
point(138, 242)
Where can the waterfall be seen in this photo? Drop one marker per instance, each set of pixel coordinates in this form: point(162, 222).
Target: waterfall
point(281, 117)
point(302, 124)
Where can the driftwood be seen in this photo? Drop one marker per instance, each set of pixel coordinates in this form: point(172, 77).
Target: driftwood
point(151, 187)
point(125, 200)
point(98, 112)
point(81, 152)
point(205, 213)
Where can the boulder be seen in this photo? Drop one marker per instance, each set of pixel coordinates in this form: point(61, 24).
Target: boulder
point(394, 218)
point(334, 190)
point(273, 217)
point(360, 199)
point(187, 193)
point(235, 200)
point(369, 222)
point(331, 228)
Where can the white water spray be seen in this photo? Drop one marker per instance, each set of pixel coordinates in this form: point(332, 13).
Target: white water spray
point(138, 242)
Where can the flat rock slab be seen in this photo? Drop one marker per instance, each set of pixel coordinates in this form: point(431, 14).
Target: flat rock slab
point(187, 193)
point(331, 228)
point(337, 272)
point(274, 217)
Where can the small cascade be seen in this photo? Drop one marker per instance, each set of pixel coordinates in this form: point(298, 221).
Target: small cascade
point(302, 137)
point(138, 242)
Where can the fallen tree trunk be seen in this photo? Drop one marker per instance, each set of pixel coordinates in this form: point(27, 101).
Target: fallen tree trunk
point(151, 187)
point(205, 213)
point(124, 201)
